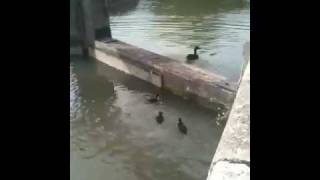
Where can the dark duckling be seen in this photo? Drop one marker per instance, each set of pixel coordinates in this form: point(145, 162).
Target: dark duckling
point(154, 99)
point(182, 128)
point(193, 56)
point(160, 118)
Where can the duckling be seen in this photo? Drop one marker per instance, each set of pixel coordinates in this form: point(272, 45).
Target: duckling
point(160, 118)
point(182, 128)
point(154, 99)
point(193, 56)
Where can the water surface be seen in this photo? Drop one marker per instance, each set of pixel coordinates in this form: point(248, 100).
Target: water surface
point(114, 134)
point(174, 27)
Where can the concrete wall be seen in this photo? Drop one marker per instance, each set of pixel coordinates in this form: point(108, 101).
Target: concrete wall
point(232, 157)
point(246, 55)
point(73, 23)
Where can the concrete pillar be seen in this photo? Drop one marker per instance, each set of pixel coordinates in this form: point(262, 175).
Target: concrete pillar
point(101, 19)
point(86, 25)
point(89, 21)
point(75, 29)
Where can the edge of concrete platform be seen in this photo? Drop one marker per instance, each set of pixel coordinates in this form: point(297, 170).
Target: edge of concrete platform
point(232, 157)
point(181, 79)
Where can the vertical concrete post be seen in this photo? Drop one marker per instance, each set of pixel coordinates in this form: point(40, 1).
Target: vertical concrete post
point(86, 25)
point(89, 21)
point(101, 19)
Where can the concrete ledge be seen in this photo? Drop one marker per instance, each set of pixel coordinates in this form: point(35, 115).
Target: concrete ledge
point(234, 145)
point(181, 79)
point(225, 170)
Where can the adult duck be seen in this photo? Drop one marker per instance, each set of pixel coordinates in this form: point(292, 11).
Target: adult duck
point(154, 99)
point(193, 56)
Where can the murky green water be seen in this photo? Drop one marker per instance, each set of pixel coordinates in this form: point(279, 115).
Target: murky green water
point(114, 134)
point(173, 27)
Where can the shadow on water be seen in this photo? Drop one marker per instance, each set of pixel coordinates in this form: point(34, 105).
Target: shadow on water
point(87, 81)
point(93, 96)
point(120, 7)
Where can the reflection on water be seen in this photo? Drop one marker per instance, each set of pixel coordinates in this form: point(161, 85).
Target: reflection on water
point(174, 27)
point(114, 134)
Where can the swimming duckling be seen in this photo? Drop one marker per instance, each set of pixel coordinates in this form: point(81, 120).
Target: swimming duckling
point(160, 118)
point(182, 128)
point(154, 99)
point(193, 56)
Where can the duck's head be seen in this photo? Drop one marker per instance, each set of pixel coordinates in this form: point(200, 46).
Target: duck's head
point(196, 48)
point(160, 113)
point(180, 121)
